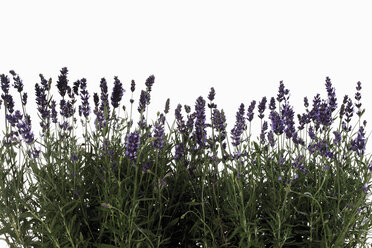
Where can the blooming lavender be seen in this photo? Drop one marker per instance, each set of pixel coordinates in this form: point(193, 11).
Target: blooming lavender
point(358, 96)
point(263, 132)
point(219, 122)
point(332, 100)
point(262, 107)
point(359, 143)
point(288, 115)
point(282, 92)
point(133, 86)
point(272, 105)
point(5, 83)
point(250, 113)
point(277, 124)
point(132, 145)
point(149, 82)
point(142, 101)
point(42, 101)
point(239, 126)
point(179, 119)
point(54, 112)
point(104, 98)
point(117, 93)
point(24, 129)
point(211, 96)
point(18, 84)
point(180, 149)
point(159, 133)
point(84, 95)
point(62, 83)
point(14, 118)
point(166, 110)
point(200, 133)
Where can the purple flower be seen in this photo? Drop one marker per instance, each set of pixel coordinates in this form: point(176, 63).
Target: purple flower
point(133, 86)
point(306, 102)
point(250, 113)
point(179, 119)
point(337, 138)
point(17, 81)
point(365, 188)
point(117, 93)
point(96, 99)
point(84, 95)
point(322, 148)
point(272, 105)
point(219, 122)
point(142, 102)
point(67, 109)
point(282, 92)
point(277, 124)
point(187, 109)
point(332, 100)
point(166, 110)
point(42, 104)
point(76, 87)
point(8, 102)
point(25, 130)
point(239, 126)
point(349, 110)
point(159, 133)
point(62, 82)
point(200, 133)
point(132, 145)
point(262, 107)
point(212, 94)
point(14, 118)
point(359, 143)
point(74, 158)
point(24, 98)
point(288, 116)
point(54, 112)
point(358, 96)
point(5, 84)
point(270, 137)
point(179, 151)
point(149, 82)
point(104, 98)
point(263, 132)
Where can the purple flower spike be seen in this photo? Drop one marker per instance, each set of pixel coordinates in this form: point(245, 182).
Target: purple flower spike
point(104, 97)
point(250, 113)
point(166, 110)
point(277, 123)
point(239, 126)
point(149, 82)
point(142, 102)
point(200, 133)
point(117, 93)
point(159, 133)
point(5, 83)
point(179, 119)
point(84, 95)
point(332, 100)
point(272, 105)
point(62, 82)
point(365, 188)
point(179, 151)
point(359, 144)
point(132, 144)
point(133, 86)
point(17, 81)
point(25, 130)
point(262, 107)
point(212, 94)
point(282, 92)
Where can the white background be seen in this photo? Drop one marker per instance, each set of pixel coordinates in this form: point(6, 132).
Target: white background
point(241, 48)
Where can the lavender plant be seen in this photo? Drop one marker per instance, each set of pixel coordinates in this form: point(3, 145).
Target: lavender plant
point(139, 186)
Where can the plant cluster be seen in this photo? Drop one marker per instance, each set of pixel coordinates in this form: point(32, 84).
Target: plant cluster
point(128, 185)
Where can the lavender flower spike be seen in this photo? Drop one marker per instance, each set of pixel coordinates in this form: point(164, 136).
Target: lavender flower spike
point(117, 93)
point(62, 82)
point(132, 145)
point(262, 107)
